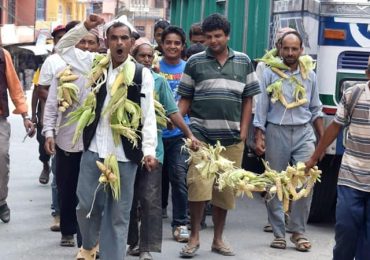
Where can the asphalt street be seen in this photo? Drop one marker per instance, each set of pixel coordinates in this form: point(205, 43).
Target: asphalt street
point(27, 235)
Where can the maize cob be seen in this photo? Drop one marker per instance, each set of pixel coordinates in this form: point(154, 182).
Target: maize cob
point(110, 175)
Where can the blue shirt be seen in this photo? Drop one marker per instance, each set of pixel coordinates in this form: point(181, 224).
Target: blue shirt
point(173, 75)
point(275, 113)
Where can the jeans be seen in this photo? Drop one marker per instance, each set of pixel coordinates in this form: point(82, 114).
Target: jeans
point(146, 209)
point(109, 218)
point(176, 166)
point(352, 227)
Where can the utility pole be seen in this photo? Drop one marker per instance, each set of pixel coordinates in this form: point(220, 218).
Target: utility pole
point(117, 8)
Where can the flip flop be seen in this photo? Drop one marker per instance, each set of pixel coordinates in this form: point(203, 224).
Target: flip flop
point(300, 241)
point(278, 243)
point(44, 176)
point(223, 250)
point(189, 251)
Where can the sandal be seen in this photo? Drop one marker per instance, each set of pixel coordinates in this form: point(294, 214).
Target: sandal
point(67, 241)
point(44, 176)
point(84, 254)
point(278, 243)
point(223, 250)
point(189, 251)
point(267, 228)
point(301, 243)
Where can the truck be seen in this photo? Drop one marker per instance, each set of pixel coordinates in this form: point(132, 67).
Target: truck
point(335, 33)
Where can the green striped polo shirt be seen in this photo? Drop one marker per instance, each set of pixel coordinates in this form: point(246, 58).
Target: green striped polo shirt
point(217, 93)
point(355, 168)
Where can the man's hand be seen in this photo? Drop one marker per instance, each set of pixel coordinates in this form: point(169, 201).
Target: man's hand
point(150, 162)
point(195, 143)
point(29, 126)
point(260, 145)
point(93, 21)
point(50, 145)
point(310, 164)
point(34, 119)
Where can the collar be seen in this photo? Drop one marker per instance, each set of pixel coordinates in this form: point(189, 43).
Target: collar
point(231, 52)
point(119, 68)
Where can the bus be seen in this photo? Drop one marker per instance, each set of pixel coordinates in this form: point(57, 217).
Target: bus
point(337, 35)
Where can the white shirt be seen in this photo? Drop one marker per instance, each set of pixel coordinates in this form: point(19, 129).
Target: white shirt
point(49, 68)
point(103, 143)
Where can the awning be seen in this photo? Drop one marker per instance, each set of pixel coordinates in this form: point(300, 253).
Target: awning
point(39, 49)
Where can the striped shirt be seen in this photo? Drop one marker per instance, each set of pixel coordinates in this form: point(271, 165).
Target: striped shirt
point(217, 93)
point(355, 167)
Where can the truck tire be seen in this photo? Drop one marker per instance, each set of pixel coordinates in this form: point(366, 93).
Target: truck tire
point(325, 192)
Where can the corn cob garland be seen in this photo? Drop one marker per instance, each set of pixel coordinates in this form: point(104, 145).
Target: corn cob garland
point(124, 115)
point(207, 159)
point(110, 175)
point(99, 71)
point(160, 112)
point(306, 64)
point(67, 92)
point(109, 178)
point(284, 184)
point(83, 115)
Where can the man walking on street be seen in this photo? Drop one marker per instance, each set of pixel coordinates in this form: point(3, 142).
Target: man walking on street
point(39, 96)
point(217, 88)
point(171, 68)
point(281, 128)
point(59, 143)
point(51, 65)
point(146, 237)
point(352, 227)
point(9, 82)
point(109, 218)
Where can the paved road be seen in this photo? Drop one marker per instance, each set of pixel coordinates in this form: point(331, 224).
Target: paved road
point(27, 236)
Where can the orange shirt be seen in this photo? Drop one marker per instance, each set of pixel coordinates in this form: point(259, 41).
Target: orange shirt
point(14, 86)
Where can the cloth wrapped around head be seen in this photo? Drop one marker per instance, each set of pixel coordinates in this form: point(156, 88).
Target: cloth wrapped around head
point(122, 19)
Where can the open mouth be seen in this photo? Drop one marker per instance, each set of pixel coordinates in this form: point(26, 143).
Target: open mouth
point(119, 51)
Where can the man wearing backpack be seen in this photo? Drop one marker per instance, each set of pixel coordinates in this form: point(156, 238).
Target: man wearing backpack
point(352, 228)
point(109, 218)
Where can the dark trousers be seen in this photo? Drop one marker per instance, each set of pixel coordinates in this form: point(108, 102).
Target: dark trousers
point(43, 156)
point(176, 166)
point(67, 170)
point(165, 189)
point(352, 227)
point(146, 208)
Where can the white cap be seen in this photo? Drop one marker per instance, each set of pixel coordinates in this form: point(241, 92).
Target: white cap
point(121, 19)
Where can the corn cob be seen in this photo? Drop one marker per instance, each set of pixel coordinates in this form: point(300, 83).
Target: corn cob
point(110, 175)
point(67, 92)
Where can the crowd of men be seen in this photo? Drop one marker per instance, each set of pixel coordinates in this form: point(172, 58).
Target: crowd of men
point(208, 92)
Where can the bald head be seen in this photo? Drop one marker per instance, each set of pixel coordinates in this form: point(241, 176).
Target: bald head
point(280, 34)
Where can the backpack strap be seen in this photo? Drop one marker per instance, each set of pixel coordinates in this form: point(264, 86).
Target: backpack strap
point(138, 77)
point(352, 103)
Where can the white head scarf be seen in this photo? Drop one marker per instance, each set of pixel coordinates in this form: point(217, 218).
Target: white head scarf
point(121, 19)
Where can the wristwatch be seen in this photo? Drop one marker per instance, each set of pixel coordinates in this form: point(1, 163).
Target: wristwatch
point(26, 118)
